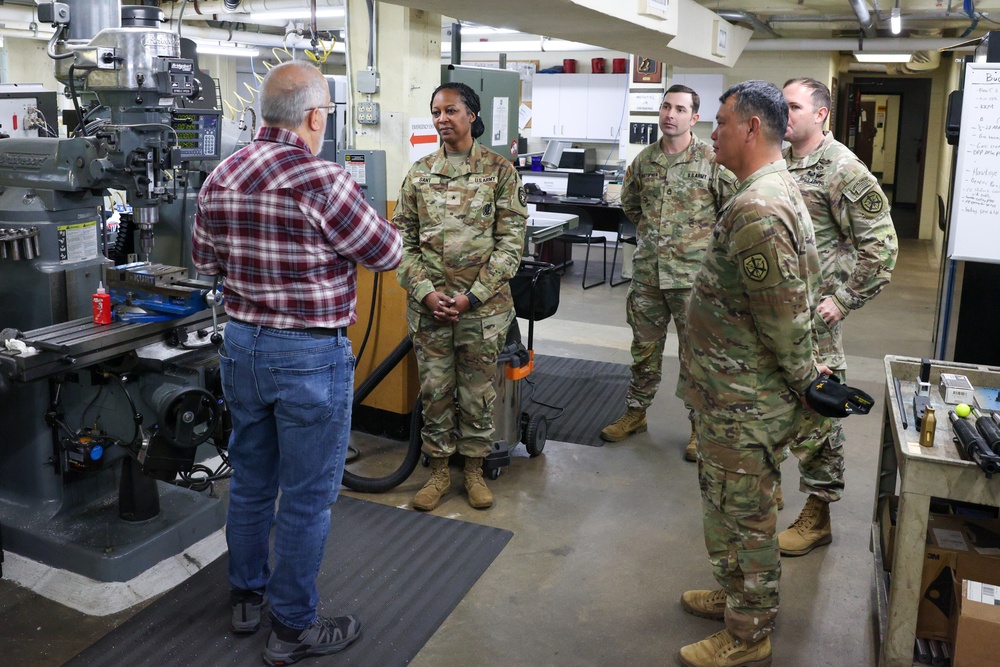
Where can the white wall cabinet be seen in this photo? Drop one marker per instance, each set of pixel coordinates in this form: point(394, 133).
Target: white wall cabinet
point(588, 107)
point(607, 106)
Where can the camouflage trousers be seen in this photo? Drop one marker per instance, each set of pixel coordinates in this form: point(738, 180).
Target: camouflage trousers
point(738, 475)
point(456, 364)
point(820, 450)
point(648, 311)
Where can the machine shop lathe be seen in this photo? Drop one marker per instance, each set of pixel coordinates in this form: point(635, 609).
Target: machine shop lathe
point(98, 420)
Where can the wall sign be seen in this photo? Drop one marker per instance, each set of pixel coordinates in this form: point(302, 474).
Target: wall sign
point(657, 9)
point(721, 42)
point(645, 101)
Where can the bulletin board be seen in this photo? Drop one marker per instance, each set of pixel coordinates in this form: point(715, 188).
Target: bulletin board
point(525, 69)
point(975, 217)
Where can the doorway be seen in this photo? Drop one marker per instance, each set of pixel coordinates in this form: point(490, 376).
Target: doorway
point(902, 164)
point(878, 139)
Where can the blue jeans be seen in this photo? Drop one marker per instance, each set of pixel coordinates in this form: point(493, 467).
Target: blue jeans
point(289, 393)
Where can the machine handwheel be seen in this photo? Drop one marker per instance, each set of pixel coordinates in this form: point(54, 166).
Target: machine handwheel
point(535, 434)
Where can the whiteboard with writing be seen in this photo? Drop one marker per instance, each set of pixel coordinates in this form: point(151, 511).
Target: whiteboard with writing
point(975, 216)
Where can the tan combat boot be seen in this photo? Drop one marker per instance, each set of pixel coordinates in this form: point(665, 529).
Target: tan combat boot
point(479, 496)
point(706, 604)
point(691, 449)
point(812, 529)
point(438, 485)
point(633, 421)
point(779, 498)
point(724, 650)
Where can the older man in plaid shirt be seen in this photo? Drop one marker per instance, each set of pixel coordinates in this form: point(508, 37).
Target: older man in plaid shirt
point(286, 229)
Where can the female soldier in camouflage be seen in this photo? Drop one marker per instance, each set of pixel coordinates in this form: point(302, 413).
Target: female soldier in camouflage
point(461, 213)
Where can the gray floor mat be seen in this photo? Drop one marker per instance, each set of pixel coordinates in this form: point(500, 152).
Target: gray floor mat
point(590, 393)
point(401, 572)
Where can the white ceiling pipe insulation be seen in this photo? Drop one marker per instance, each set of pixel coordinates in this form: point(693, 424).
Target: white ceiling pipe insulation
point(16, 20)
point(877, 45)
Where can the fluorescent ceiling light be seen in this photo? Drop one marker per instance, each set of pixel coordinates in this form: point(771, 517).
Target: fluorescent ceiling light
point(524, 46)
point(895, 20)
point(228, 50)
point(883, 57)
point(283, 14)
point(485, 30)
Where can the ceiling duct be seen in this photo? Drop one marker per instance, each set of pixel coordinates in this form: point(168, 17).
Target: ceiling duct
point(864, 18)
point(921, 62)
point(748, 19)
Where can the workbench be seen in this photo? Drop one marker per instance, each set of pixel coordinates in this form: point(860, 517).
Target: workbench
point(922, 473)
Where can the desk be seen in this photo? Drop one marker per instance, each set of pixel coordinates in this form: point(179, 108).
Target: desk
point(605, 216)
point(922, 472)
point(545, 226)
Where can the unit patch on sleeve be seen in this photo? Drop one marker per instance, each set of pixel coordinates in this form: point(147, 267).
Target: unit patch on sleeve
point(872, 203)
point(756, 267)
point(522, 196)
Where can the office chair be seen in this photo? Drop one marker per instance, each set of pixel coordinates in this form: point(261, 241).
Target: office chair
point(626, 234)
point(584, 233)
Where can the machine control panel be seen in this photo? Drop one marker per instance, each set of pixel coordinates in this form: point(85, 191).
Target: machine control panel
point(198, 133)
point(177, 79)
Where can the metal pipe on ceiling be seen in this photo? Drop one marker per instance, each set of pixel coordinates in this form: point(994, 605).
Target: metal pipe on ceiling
point(864, 18)
point(844, 18)
point(877, 45)
point(219, 6)
point(748, 18)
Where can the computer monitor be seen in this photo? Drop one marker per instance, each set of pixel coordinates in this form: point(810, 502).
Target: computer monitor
point(585, 185)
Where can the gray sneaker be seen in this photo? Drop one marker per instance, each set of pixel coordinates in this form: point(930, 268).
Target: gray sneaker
point(247, 611)
point(325, 636)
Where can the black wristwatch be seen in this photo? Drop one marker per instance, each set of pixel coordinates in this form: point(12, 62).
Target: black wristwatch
point(474, 302)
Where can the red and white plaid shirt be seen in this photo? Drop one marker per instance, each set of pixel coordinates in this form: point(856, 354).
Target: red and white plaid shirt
point(286, 229)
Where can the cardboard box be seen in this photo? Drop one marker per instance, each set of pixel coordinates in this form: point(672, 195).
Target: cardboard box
point(890, 505)
point(956, 389)
point(957, 548)
point(976, 625)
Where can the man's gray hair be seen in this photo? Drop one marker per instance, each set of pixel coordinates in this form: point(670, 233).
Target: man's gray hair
point(285, 100)
point(761, 99)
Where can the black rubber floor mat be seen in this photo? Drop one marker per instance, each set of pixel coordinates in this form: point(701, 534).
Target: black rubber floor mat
point(590, 393)
point(401, 572)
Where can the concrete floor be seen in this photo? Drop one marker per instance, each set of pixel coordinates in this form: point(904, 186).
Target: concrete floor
point(607, 538)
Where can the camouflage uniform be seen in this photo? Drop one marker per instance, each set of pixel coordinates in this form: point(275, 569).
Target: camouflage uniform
point(857, 246)
point(751, 352)
point(673, 204)
point(463, 231)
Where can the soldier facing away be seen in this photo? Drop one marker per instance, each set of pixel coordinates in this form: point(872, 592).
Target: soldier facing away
point(750, 359)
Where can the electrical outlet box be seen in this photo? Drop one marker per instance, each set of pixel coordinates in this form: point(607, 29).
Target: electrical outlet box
point(368, 81)
point(368, 113)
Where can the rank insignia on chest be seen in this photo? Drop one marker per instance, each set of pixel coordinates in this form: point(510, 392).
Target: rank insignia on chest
point(488, 208)
point(872, 203)
point(755, 266)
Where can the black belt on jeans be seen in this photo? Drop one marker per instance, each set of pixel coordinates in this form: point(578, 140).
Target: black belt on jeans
point(315, 331)
point(323, 331)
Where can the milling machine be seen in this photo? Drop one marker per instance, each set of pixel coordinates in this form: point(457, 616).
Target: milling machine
point(101, 423)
